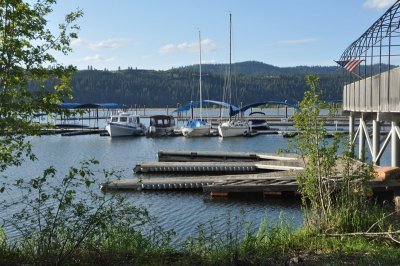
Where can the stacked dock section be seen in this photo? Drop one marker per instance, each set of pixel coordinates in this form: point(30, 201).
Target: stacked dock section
point(215, 173)
point(227, 173)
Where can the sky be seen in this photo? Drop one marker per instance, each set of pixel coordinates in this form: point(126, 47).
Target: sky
point(164, 34)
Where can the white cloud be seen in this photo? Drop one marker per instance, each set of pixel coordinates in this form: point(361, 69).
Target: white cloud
point(103, 44)
point(378, 4)
point(97, 58)
point(298, 41)
point(206, 45)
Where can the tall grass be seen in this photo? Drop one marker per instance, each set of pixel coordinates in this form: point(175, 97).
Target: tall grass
point(272, 242)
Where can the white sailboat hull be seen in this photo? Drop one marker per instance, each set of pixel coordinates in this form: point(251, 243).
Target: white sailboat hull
point(227, 129)
point(196, 131)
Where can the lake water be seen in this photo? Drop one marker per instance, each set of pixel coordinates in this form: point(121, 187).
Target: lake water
point(181, 211)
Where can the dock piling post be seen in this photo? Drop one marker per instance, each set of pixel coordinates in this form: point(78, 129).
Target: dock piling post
point(361, 142)
point(351, 132)
point(375, 141)
point(395, 145)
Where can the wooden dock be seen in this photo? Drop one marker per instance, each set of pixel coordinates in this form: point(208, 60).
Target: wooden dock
point(232, 171)
point(225, 173)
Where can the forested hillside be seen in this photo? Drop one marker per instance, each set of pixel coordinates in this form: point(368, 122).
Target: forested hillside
point(251, 82)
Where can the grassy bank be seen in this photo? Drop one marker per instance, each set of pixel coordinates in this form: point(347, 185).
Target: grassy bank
point(277, 243)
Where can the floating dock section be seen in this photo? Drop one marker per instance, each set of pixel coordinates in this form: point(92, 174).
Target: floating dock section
point(217, 167)
point(210, 156)
point(223, 173)
point(214, 172)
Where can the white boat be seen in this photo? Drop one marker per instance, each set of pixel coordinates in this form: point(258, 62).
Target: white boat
point(236, 127)
point(125, 124)
point(197, 127)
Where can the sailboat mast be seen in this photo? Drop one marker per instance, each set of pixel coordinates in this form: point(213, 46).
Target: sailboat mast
point(201, 100)
point(230, 59)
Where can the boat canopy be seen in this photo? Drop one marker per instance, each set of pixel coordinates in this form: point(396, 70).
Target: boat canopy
point(92, 105)
point(244, 108)
point(162, 120)
point(187, 107)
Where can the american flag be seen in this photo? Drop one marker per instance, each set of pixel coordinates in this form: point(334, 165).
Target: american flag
point(349, 65)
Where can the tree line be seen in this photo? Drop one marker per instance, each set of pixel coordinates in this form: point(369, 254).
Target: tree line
point(251, 82)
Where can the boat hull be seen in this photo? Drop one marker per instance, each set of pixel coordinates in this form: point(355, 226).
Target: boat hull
point(196, 131)
point(259, 125)
point(115, 130)
point(153, 131)
point(227, 130)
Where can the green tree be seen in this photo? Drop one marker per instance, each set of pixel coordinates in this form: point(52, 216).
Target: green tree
point(335, 188)
point(27, 49)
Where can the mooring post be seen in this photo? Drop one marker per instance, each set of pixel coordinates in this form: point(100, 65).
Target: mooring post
point(395, 145)
point(375, 140)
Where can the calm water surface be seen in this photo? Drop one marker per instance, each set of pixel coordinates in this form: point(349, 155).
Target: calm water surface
point(181, 211)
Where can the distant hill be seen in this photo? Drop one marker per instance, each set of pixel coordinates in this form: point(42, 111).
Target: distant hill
point(252, 81)
point(255, 68)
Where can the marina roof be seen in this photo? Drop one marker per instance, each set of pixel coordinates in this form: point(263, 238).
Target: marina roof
point(92, 105)
point(188, 106)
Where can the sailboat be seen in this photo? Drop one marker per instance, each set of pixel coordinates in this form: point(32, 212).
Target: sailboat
point(197, 127)
point(233, 127)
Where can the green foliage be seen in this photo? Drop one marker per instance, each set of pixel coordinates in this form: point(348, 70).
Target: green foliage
point(162, 88)
point(319, 156)
point(27, 49)
point(57, 221)
point(335, 189)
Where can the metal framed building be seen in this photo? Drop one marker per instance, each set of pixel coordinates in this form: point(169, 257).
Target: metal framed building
point(372, 89)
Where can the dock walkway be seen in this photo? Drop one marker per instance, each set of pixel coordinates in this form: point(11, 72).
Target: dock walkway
point(223, 173)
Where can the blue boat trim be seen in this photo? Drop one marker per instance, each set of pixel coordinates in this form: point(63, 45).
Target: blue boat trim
point(123, 126)
point(195, 123)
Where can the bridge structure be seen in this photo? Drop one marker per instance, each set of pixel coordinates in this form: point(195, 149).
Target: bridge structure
point(371, 90)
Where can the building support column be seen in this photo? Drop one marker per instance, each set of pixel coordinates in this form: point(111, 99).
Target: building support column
point(395, 145)
point(376, 144)
point(351, 131)
point(361, 141)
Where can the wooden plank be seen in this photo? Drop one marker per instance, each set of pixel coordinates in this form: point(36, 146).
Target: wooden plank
point(386, 173)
